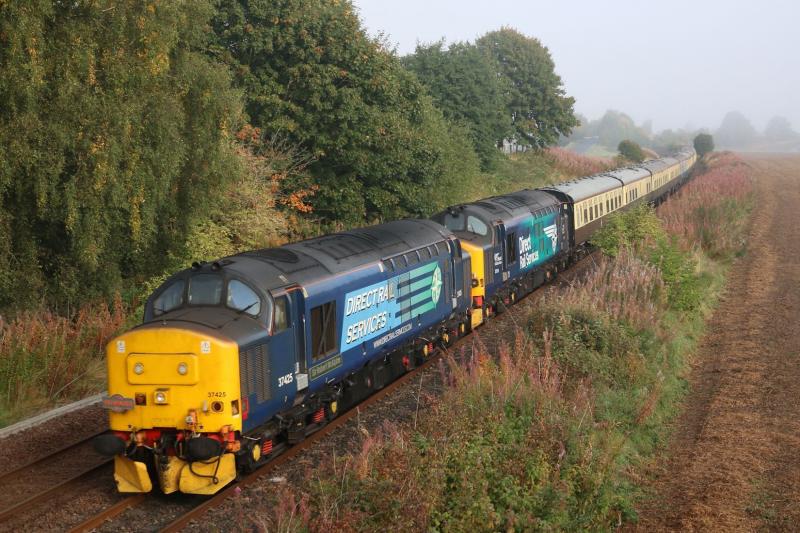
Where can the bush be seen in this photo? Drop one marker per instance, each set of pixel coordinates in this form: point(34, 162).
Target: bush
point(631, 151)
point(703, 144)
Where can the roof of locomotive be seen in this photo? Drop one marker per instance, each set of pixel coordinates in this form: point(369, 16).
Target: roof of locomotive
point(312, 259)
point(534, 199)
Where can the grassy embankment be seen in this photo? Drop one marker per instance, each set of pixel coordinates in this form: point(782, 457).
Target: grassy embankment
point(552, 431)
point(48, 358)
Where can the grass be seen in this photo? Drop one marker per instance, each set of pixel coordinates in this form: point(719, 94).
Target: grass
point(552, 430)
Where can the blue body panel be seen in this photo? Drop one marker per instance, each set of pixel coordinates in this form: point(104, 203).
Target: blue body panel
point(377, 311)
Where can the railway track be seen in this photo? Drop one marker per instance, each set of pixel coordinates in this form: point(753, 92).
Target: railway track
point(17, 496)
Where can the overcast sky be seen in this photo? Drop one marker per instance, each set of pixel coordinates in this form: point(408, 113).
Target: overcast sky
point(678, 62)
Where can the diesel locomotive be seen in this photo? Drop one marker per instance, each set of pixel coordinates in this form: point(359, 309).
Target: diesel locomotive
point(239, 358)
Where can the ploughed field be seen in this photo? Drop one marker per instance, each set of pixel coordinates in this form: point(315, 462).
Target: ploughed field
point(734, 460)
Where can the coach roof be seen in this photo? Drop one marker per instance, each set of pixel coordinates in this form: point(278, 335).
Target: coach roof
point(584, 188)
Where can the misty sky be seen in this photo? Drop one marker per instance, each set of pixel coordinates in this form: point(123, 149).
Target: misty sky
point(677, 63)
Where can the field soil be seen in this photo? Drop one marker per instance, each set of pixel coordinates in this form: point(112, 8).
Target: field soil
point(734, 460)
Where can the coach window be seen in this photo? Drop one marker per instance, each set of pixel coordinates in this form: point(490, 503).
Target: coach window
point(242, 298)
point(323, 330)
point(205, 289)
point(585, 218)
point(170, 298)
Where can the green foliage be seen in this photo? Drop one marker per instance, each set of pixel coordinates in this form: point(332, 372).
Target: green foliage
point(311, 73)
point(539, 108)
point(631, 151)
point(703, 144)
point(629, 229)
point(465, 86)
point(114, 136)
point(640, 229)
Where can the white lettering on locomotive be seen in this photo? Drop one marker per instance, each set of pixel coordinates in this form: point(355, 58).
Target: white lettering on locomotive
point(285, 380)
point(527, 255)
point(364, 327)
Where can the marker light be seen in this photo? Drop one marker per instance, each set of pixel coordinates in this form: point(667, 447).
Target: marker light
point(182, 369)
point(138, 369)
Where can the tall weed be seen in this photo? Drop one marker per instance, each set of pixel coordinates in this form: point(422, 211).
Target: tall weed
point(46, 358)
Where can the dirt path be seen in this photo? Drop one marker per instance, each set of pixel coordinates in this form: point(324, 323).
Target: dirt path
point(734, 463)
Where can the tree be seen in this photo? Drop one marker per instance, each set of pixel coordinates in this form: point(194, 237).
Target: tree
point(703, 144)
point(736, 131)
point(615, 127)
point(538, 106)
point(113, 136)
point(631, 151)
point(779, 129)
point(464, 84)
point(310, 73)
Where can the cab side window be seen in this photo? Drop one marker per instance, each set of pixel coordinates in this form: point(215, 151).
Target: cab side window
point(323, 330)
point(280, 319)
point(511, 248)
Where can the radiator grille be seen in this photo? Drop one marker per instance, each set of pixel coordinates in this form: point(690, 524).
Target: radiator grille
point(254, 373)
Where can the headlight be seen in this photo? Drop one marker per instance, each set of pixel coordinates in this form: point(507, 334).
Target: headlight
point(182, 369)
point(138, 369)
point(160, 397)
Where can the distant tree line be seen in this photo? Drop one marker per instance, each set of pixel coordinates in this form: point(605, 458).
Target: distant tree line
point(735, 132)
point(122, 123)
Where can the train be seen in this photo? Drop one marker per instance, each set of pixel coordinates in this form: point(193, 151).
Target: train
point(239, 358)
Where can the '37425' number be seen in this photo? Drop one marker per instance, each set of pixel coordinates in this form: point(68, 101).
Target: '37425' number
point(285, 380)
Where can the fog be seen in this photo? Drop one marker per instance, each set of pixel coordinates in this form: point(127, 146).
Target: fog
point(681, 63)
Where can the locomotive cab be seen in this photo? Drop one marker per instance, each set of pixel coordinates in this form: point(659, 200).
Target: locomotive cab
point(183, 384)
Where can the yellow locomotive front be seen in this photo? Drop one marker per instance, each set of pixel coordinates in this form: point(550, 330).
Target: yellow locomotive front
point(174, 409)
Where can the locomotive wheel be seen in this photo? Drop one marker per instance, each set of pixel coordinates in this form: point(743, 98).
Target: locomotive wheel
point(332, 410)
point(250, 456)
